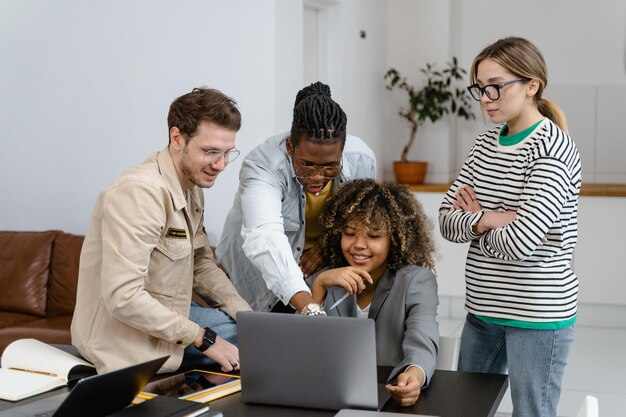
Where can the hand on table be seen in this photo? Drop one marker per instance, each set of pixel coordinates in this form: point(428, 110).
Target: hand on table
point(225, 354)
point(408, 386)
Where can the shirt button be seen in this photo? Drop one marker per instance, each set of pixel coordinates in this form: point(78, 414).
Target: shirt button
point(298, 248)
point(179, 342)
point(302, 196)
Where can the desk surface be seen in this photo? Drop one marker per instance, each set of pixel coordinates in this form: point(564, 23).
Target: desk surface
point(450, 394)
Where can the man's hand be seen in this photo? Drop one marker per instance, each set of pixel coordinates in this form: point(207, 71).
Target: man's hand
point(223, 352)
point(300, 300)
point(311, 260)
point(408, 386)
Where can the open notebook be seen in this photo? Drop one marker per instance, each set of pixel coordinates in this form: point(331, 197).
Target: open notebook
point(93, 396)
point(30, 367)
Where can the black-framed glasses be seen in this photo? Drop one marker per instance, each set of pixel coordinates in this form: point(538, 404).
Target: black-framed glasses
point(492, 91)
point(308, 171)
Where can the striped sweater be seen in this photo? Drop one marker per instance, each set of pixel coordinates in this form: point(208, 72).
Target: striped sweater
point(521, 271)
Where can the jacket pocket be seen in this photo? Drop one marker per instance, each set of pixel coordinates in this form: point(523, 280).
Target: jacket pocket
point(174, 249)
point(168, 264)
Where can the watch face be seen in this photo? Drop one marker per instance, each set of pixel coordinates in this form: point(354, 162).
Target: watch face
point(208, 339)
point(209, 336)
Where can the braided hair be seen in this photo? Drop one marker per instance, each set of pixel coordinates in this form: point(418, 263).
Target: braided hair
point(317, 117)
point(386, 206)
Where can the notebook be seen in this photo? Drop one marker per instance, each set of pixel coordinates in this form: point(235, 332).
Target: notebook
point(308, 361)
point(94, 396)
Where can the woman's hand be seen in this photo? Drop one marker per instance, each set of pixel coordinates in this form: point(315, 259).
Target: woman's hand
point(351, 278)
point(408, 386)
point(494, 220)
point(466, 200)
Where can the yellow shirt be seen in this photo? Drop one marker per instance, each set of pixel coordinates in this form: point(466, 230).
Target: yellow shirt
point(312, 210)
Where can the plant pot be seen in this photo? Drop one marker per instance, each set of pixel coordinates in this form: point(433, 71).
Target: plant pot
point(410, 172)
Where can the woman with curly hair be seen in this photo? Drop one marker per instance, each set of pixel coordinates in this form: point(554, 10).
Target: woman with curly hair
point(377, 242)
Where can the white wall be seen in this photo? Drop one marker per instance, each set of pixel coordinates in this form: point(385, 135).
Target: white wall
point(86, 87)
point(418, 33)
point(584, 46)
point(289, 60)
point(585, 50)
point(352, 64)
point(355, 67)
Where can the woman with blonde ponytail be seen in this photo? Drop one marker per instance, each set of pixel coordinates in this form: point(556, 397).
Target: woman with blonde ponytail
point(516, 202)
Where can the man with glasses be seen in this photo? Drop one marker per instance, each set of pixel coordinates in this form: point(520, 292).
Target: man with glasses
point(146, 251)
point(270, 241)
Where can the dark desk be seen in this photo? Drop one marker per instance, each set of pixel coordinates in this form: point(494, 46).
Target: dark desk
point(450, 394)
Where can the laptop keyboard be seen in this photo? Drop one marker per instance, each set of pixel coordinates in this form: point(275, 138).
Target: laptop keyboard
point(45, 414)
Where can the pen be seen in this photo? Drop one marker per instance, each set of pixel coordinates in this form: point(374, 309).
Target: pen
point(339, 301)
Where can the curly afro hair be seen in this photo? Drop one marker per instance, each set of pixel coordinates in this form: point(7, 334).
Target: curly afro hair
point(386, 206)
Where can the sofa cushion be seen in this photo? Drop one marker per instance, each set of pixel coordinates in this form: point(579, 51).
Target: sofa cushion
point(8, 319)
point(25, 259)
point(64, 274)
point(50, 330)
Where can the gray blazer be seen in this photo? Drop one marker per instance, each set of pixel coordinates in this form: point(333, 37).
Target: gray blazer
point(404, 309)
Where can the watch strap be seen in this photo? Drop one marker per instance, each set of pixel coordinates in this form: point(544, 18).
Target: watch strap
point(208, 339)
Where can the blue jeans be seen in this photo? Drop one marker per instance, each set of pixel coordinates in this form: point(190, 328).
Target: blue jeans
point(216, 320)
point(535, 359)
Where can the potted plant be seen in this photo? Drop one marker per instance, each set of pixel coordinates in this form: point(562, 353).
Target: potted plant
point(436, 98)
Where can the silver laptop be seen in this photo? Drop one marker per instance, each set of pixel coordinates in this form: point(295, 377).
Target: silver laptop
point(308, 361)
point(94, 396)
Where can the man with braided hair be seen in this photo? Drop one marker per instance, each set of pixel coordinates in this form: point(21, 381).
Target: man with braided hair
point(270, 241)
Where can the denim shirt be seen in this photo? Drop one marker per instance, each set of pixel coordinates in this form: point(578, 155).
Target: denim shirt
point(263, 235)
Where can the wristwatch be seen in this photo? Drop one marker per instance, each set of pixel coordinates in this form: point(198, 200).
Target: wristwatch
point(208, 339)
point(313, 309)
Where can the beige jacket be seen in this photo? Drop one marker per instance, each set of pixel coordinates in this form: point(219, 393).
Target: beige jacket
point(144, 253)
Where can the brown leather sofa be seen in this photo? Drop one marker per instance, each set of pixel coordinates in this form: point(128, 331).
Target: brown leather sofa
point(38, 276)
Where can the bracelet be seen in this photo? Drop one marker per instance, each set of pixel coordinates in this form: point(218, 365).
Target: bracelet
point(313, 309)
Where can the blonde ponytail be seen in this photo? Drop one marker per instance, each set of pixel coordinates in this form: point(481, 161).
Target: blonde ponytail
point(552, 111)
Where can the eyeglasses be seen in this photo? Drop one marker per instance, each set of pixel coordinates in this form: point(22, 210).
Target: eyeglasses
point(492, 91)
point(308, 171)
point(212, 156)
